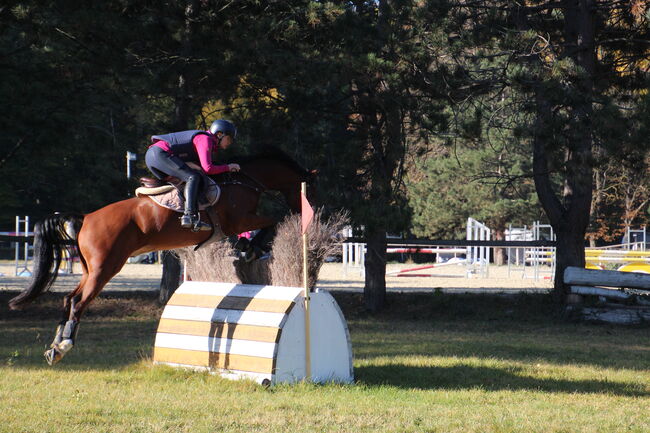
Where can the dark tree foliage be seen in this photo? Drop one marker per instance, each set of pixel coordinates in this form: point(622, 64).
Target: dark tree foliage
point(63, 113)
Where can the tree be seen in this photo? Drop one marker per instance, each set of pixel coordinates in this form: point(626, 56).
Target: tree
point(392, 104)
point(481, 169)
point(621, 197)
point(488, 184)
point(564, 58)
point(342, 85)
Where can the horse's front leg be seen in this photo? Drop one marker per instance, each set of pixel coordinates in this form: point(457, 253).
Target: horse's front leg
point(260, 243)
point(254, 248)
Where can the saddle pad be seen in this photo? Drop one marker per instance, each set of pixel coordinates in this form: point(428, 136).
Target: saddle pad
point(170, 198)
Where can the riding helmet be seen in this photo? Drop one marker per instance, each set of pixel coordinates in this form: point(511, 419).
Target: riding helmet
point(224, 126)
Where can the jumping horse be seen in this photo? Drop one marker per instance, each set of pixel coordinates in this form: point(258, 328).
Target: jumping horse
point(106, 238)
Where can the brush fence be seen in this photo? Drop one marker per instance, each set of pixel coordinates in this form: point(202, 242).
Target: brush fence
point(253, 331)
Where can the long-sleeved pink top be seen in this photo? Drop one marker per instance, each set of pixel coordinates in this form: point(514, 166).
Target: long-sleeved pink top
point(204, 145)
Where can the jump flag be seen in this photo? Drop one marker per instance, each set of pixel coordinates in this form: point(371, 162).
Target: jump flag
point(306, 211)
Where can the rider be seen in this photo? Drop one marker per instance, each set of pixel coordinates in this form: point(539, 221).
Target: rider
point(169, 154)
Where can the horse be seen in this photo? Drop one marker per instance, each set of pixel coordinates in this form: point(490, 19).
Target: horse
point(106, 238)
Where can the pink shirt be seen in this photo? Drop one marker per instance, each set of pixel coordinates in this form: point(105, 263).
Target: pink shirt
point(203, 144)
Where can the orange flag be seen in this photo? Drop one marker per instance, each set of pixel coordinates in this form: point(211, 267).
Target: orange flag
point(306, 211)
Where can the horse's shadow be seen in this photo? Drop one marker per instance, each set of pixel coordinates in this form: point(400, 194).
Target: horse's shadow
point(459, 377)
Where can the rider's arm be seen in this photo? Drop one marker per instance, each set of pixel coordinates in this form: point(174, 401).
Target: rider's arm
point(203, 146)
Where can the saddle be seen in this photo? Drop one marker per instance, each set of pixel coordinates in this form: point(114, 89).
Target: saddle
point(168, 192)
point(153, 182)
point(151, 186)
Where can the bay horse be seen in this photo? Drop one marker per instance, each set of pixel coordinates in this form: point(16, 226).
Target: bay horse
point(107, 237)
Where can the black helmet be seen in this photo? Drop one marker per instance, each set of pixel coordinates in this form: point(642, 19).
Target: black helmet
point(224, 126)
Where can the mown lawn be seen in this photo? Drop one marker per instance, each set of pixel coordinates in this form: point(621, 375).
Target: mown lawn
point(430, 363)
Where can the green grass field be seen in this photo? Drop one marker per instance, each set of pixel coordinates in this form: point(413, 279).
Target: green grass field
point(429, 363)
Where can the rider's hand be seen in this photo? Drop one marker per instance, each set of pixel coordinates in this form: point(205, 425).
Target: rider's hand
point(233, 167)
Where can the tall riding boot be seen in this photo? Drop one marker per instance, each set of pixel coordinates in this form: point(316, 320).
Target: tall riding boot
point(190, 218)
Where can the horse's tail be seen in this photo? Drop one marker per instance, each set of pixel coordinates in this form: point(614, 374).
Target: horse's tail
point(52, 236)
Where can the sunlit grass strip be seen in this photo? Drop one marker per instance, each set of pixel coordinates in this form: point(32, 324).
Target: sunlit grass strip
point(140, 398)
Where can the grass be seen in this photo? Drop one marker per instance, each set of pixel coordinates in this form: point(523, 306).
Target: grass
point(429, 363)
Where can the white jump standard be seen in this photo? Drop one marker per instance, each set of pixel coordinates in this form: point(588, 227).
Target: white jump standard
point(252, 331)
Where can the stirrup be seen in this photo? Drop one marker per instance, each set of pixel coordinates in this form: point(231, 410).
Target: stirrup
point(187, 221)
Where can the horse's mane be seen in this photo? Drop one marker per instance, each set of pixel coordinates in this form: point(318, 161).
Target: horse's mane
point(272, 153)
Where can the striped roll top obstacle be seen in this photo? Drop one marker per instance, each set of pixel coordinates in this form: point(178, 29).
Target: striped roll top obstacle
point(253, 331)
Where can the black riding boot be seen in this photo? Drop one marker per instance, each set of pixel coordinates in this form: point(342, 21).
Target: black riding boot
point(190, 218)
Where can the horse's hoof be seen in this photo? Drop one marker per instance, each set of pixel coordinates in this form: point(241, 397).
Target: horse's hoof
point(52, 356)
point(242, 244)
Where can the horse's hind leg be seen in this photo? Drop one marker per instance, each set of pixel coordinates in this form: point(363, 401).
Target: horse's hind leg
point(93, 283)
point(57, 350)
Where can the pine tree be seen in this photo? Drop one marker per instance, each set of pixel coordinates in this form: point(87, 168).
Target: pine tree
point(354, 96)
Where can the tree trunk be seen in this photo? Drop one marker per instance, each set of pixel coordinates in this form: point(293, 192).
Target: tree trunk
point(183, 98)
point(499, 253)
point(171, 276)
point(570, 251)
point(570, 216)
point(374, 291)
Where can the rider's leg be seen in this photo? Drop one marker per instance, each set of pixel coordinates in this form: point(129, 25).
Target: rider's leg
point(190, 218)
point(162, 163)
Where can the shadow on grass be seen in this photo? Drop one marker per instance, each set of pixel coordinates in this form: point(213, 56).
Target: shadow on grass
point(492, 379)
point(117, 330)
point(101, 344)
point(559, 346)
point(523, 328)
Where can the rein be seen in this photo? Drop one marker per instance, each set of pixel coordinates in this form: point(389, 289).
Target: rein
point(233, 181)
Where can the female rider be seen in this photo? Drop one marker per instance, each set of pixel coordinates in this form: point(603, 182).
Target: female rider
point(169, 153)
